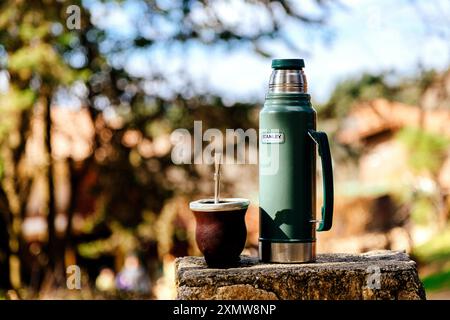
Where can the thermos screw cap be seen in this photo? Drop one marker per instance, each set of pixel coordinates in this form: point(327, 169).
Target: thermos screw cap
point(288, 64)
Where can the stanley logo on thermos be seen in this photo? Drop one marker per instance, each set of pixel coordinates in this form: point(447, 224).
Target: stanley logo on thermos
point(272, 137)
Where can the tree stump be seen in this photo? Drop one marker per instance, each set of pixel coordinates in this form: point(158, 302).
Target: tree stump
point(368, 276)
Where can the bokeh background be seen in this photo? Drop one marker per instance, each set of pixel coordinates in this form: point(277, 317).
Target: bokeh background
point(86, 116)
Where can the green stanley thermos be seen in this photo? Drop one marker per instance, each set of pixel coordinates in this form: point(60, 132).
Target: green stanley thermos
point(288, 141)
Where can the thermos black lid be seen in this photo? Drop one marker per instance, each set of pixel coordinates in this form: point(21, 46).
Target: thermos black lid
point(288, 64)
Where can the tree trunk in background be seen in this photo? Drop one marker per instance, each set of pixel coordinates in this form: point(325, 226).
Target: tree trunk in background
point(5, 217)
point(55, 254)
point(77, 171)
point(14, 194)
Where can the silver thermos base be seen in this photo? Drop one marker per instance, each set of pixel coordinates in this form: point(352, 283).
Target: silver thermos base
point(296, 252)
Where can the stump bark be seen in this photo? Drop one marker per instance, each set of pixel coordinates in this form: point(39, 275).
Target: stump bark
point(368, 276)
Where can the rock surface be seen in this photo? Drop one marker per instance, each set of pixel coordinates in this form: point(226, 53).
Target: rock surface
point(372, 275)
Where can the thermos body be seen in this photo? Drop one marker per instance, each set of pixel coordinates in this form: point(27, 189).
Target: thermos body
point(287, 149)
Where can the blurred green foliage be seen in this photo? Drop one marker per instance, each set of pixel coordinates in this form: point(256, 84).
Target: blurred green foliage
point(437, 281)
point(436, 249)
point(366, 87)
point(435, 253)
point(427, 150)
point(346, 93)
point(421, 211)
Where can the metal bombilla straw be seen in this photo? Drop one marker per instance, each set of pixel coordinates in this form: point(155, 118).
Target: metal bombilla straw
point(217, 160)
